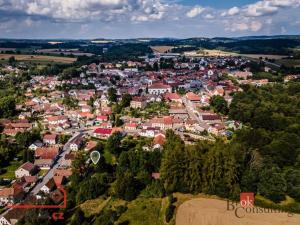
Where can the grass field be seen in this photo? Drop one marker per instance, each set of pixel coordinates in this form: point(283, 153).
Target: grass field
point(38, 58)
point(143, 211)
point(10, 173)
point(94, 206)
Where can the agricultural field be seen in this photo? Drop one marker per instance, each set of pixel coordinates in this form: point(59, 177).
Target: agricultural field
point(203, 211)
point(289, 62)
point(161, 49)
point(258, 56)
point(38, 58)
point(207, 52)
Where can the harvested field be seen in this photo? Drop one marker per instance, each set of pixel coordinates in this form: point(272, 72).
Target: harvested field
point(203, 211)
point(42, 58)
point(161, 49)
point(206, 52)
point(257, 56)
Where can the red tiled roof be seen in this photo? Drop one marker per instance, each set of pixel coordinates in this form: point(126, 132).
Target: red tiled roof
point(50, 136)
point(47, 153)
point(27, 166)
point(172, 96)
point(192, 96)
point(159, 139)
point(103, 131)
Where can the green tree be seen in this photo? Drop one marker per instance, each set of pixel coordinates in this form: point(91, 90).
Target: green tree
point(113, 143)
point(272, 184)
point(112, 94)
point(7, 107)
point(126, 99)
point(126, 186)
point(219, 104)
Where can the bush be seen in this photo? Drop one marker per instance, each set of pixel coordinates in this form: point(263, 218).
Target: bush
point(170, 209)
point(169, 212)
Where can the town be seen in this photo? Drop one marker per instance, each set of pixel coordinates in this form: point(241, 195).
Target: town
point(138, 99)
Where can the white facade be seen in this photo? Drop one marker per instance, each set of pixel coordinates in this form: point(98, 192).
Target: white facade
point(21, 173)
point(158, 91)
point(45, 189)
point(3, 221)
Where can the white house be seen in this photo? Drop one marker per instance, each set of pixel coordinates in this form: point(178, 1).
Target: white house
point(75, 145)
point(49, 186)
point(27, 169)
point(50, 139)
point(5, 221)
point(35, 145)
point(159, 88)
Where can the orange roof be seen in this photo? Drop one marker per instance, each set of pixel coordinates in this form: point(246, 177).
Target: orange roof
point(63, 172)
point(159, 139)
point(192, 96)
point(90, 145)
point(47, 153)
point(116, 129)
point(58, 180)
point(130, 125)
point(86, 114)
point(172, 96)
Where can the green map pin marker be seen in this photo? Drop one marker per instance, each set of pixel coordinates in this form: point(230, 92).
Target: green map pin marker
point(95, 156)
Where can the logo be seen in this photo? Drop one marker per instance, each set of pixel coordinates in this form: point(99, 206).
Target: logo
point(57, 216)
point(246, 206)
point(247, 199)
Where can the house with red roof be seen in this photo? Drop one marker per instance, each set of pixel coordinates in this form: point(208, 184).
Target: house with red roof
point(27, 169)
point(50, 139)
point(163, 123)
point(192, 97)
point(159, 88)
point(102, 118)
point(130, 126)
point(11, 195)
point(138, 102)
point(103, 133)
point(173, 97)
point(159, 141)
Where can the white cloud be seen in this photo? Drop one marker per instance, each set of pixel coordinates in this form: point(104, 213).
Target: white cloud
point(233, 11)
point(197, 10)
point(209, 16)
point(267, 7)
point(253, 26)
point(85, 10)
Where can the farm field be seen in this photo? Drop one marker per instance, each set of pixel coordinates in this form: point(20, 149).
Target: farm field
point(289, 62)
point(202, 211)
point(257, 56)
point(42, 58)
point(207, 52)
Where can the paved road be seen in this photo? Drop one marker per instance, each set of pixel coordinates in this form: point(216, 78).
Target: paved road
point(190, 109)
point(50, 173)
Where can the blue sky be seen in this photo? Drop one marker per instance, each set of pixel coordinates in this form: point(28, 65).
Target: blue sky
point(147, 18)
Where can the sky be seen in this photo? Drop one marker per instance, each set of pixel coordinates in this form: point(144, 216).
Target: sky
point(91, 19)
